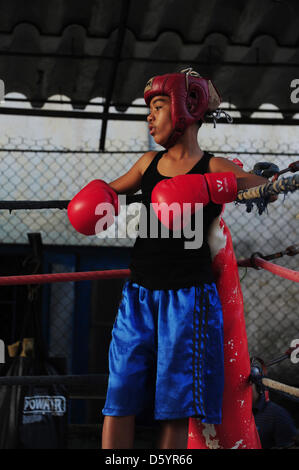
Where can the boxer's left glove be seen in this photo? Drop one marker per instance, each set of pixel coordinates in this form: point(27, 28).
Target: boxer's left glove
point(219, 188)
point(93, 208)
point(223, 187)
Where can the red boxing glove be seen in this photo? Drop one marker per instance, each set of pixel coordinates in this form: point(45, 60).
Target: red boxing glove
point(171, 197)
point(236, 161)
point(96, 200)
point(222, 187)
point(190, 190)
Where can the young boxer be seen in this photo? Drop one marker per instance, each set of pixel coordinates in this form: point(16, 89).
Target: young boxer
point(171, 346)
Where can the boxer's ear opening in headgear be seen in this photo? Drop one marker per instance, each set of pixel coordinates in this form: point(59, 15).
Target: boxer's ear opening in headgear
point(192, 102)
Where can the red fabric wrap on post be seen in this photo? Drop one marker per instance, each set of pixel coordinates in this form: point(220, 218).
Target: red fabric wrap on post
point(237, 430)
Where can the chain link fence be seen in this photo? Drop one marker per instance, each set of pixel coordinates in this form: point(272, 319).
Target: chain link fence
point(38, 169)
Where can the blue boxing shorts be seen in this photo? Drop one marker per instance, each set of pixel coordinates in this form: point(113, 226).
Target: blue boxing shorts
point(167, 351)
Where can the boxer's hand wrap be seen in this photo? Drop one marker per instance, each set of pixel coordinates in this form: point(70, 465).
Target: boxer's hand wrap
point(93, 208)
point(190, 190)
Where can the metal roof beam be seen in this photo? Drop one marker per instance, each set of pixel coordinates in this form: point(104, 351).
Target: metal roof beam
point(135, 117)
point(135, 105)
point(111, 82)
point(154, 60)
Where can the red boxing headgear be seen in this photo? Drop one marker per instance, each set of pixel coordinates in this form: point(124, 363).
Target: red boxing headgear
point(191, 97)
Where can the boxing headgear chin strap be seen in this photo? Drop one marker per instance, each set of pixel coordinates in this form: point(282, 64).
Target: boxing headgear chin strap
point(191, 98)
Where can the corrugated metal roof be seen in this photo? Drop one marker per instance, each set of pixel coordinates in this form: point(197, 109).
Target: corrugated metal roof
point(109, 48)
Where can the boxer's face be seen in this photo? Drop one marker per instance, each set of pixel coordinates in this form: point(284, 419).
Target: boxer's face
point(159, 119)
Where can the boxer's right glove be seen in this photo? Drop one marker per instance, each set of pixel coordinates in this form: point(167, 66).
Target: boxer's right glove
point(87, 209)
point(219, 188)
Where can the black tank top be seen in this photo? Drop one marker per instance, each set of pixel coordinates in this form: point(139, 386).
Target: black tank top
point(165, 263)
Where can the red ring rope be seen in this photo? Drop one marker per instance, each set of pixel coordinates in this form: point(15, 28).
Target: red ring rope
point(64, 277)
point(123, 273)
point(286, 273)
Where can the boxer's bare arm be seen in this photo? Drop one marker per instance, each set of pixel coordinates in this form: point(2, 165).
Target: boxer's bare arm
point(130, 182)
point(245, 180)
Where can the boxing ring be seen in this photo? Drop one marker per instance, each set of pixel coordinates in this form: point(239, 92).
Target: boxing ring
point(94, 385)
